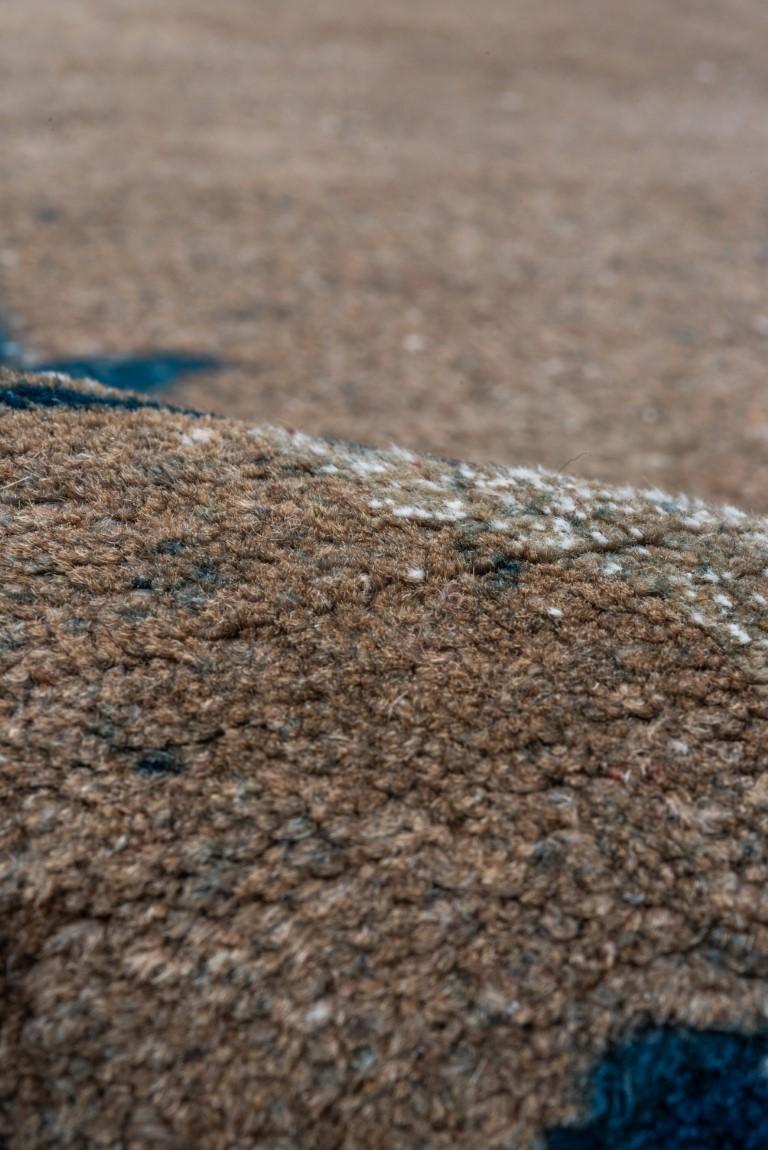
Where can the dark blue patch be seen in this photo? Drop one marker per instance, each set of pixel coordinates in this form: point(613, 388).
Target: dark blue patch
point(507, 571)
point(157, 764)
point(10, 350)
point(677, 1090)
point(132, 373)
point(123, 372)
point(23, 396)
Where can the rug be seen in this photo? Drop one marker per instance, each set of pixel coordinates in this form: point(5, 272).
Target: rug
point(514, 232)
point(358, 798)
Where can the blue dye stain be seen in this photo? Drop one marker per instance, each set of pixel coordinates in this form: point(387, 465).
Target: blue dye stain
point(157, 764)
point(146, 372)
point(132, 373)
point(24, 396)
point(676, 1090)
point(11, 352)
point(506, 571)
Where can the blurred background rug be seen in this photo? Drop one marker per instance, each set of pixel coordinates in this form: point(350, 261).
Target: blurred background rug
point(497, 230)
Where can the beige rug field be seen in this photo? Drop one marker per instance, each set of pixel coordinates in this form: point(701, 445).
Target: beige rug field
point(519, 231)
point(383, 735)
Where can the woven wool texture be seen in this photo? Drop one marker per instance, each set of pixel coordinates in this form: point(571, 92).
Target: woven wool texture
point(357, 798)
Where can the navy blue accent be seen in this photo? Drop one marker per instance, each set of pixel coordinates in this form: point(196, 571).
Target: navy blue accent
point(124, 372)
point(676, 1090)
point(157, 764)
point(507, 571)
point(10, 350)
point(132, 373)
point(24, 396)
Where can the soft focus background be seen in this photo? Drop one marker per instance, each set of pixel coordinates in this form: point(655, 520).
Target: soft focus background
point(518, 230)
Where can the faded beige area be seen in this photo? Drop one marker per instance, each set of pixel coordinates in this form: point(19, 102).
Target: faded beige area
point(497, 229)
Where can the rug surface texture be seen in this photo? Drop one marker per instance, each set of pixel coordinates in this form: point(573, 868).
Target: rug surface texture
point(363, 799)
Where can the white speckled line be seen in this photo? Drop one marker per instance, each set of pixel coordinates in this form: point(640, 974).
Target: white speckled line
point(646, 537)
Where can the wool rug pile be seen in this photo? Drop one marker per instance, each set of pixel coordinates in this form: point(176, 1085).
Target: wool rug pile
point(357, 798)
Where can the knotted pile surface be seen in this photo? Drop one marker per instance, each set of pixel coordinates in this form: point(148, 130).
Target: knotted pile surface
point(361, 799)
